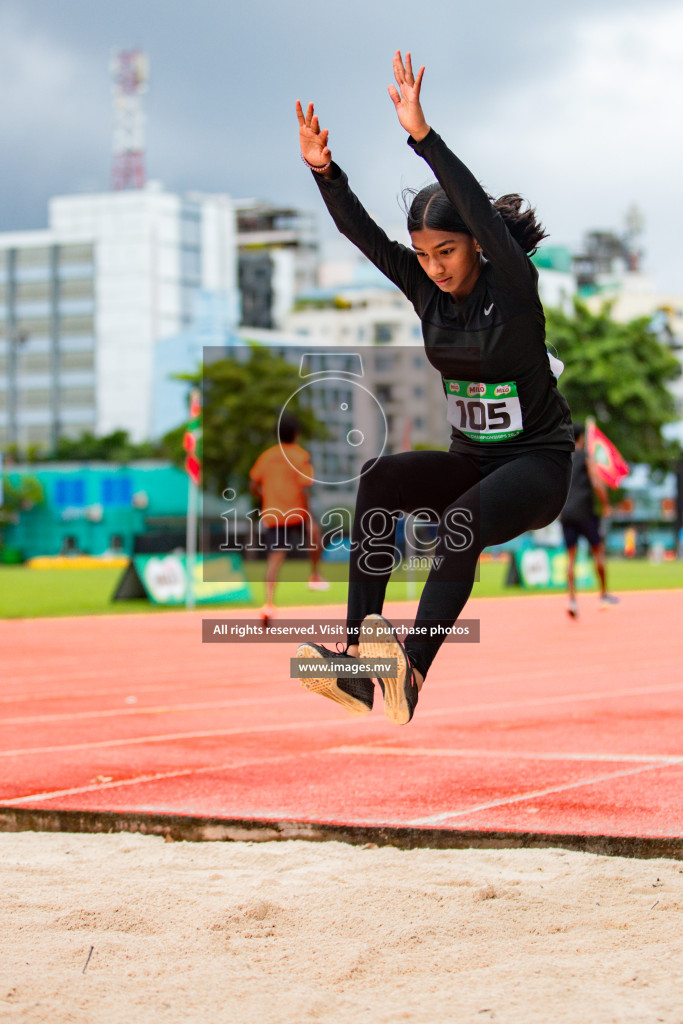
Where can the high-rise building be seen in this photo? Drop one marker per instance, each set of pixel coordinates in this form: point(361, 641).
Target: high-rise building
point(278, 258)
point(83, 303)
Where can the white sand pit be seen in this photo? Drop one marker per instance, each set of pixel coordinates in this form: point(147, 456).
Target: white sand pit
point(296, 931)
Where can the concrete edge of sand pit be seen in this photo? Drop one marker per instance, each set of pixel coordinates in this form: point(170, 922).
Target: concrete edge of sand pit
point(186, 828)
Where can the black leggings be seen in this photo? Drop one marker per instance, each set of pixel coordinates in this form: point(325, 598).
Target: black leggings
point(477, 501)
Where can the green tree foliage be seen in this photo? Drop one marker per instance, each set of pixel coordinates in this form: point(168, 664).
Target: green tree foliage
point(242, 400)
point(114, 447)
point(19, 497)
point(27, 453)
point(618, 373)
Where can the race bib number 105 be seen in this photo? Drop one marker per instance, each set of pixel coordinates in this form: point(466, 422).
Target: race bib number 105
point(484, 412)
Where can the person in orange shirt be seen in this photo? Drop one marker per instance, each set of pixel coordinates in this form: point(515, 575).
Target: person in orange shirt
point(280, 479)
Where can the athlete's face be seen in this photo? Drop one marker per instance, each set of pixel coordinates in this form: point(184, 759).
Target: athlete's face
point(450, 259)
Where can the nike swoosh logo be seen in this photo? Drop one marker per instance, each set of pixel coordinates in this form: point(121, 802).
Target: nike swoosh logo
point(487, 311)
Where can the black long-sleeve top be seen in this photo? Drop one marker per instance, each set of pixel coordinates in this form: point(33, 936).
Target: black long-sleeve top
point(580, 503)
point(502, 396)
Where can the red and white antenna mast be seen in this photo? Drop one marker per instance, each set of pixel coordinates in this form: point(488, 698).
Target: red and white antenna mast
point(129, 72)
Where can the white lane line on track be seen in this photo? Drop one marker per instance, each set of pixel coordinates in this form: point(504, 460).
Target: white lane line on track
point(308, 724)
point(97, 672)
point(140, 779)
point(564, 698)
point(97, 676)
point(160, 709)
point(256, 701)
point(182, 736)
point(236, 765)
point(62, 675)
point(501, 755)
point(134, 687)
point(447, 816)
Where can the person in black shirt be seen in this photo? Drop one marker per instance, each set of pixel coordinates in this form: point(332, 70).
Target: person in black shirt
point(471, 282)
point(580, 519)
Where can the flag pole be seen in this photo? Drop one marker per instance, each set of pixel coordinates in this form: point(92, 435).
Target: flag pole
point(191, 542)
point(192, 443)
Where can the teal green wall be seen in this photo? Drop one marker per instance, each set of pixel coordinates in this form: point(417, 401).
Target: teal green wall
point(74, 494)
point(553, 257)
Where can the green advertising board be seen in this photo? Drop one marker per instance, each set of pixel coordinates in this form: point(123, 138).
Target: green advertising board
point(537, 568)
point(164, 579)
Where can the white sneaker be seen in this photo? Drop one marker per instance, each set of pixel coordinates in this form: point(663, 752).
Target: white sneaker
point(318, 583)
point(607, 599)
point(573, 608)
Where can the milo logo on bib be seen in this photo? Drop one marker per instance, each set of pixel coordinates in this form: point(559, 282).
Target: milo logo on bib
point(484, 412)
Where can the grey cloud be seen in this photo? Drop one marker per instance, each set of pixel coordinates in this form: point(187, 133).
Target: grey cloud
point(224, 77)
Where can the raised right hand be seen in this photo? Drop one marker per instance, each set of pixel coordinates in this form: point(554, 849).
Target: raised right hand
point(313, 141)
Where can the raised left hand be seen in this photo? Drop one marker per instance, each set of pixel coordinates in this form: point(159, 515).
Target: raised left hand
point(407, 100)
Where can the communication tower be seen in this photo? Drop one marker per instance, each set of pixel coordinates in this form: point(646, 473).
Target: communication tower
point(635, 223)
point(129, 73)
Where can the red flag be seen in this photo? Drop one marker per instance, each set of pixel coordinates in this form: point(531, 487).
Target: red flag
point(192, 440)
point(608, 461)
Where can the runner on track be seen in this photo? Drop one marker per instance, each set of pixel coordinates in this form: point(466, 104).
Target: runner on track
point(475, 290)
point(280, 479)
point(580, 519)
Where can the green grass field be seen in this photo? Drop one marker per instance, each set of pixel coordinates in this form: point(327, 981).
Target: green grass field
point(27, 593)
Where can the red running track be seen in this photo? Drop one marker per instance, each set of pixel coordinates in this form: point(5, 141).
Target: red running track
point(547, 726)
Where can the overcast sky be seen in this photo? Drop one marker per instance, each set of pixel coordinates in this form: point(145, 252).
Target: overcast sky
point(577, 106)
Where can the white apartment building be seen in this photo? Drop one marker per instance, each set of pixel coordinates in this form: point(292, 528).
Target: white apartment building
point(83, 303)
point(277, 259)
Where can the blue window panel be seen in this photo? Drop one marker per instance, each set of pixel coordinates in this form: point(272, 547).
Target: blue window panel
point(116, 491)
point(70, 492)
point(125, 491)
point(107, 491)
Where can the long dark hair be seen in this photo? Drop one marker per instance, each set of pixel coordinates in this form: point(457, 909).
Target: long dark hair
point(430, 207)
point(288, 428)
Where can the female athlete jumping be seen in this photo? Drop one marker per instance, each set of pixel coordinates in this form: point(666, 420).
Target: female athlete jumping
point(471, 282)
